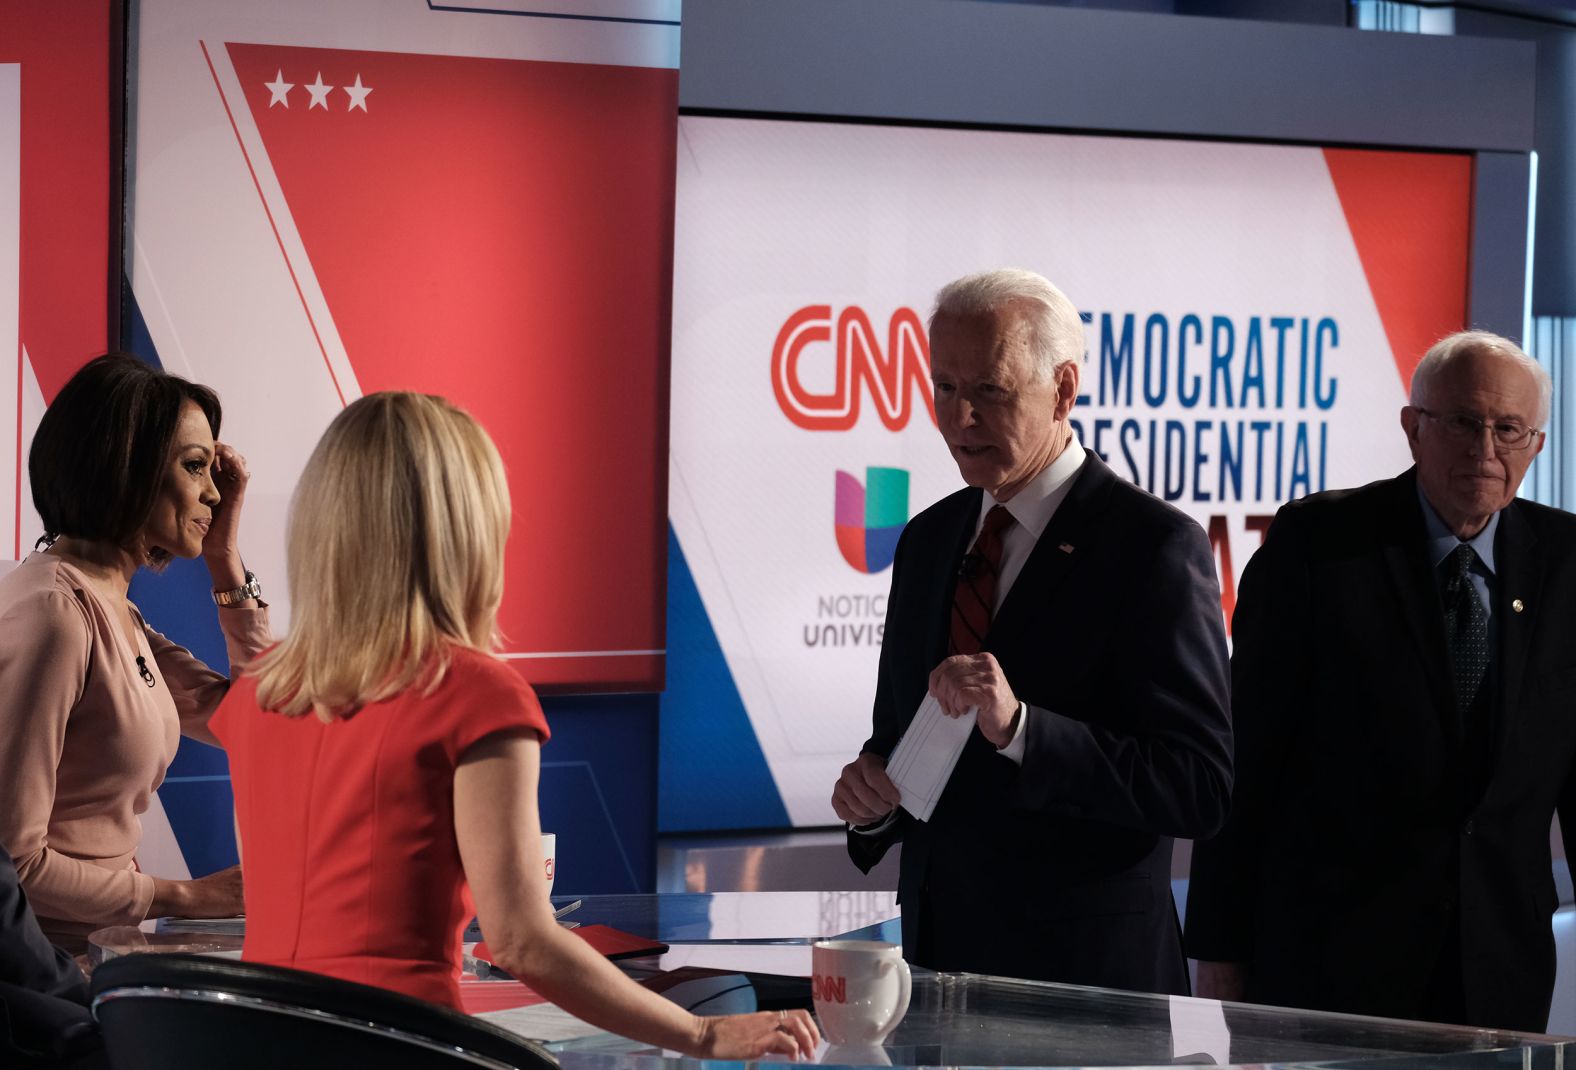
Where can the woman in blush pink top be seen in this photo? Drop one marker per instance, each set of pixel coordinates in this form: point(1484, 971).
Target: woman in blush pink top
point(126, 473)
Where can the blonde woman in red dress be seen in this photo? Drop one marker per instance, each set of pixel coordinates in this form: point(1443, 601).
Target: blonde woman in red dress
point(385, 764)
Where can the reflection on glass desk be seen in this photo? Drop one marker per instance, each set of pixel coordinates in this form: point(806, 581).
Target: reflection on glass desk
point(737, 917)
point(964, 1020)
point(690, 917)
point(764, 932)
point(117, 940)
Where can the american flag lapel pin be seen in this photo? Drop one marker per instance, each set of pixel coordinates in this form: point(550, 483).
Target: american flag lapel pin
point(1066, 547)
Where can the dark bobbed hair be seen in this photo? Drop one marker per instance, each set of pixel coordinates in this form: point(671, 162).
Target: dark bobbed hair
point(100, 452)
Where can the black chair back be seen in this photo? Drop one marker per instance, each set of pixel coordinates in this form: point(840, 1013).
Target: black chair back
point(162, 1011)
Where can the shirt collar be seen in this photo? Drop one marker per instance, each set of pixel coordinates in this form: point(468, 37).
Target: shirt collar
point(1036, 503)
point(1442, 541)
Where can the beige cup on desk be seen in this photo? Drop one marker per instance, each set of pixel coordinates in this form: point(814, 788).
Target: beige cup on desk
point(550, 853)
point(860, 988)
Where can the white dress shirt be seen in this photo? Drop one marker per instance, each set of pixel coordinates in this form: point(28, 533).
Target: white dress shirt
point(1032, 508)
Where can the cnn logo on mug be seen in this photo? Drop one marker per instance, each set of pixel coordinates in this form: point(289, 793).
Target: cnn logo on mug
point(860, 988)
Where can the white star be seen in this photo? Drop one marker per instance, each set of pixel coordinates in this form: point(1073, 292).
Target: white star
point(358, 94)
point(319, 93)
point(279, 90)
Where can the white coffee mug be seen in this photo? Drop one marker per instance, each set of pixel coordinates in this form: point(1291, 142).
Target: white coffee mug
point(860, 988)
point(550, 850)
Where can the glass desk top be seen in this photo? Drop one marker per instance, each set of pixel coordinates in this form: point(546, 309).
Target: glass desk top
point(105, 944)
point(965, 1020)
point(958, 1020)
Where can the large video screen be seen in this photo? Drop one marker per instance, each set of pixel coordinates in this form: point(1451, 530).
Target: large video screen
point(1253, 313)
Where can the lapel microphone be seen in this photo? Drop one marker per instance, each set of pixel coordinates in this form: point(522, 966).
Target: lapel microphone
point(972, 564)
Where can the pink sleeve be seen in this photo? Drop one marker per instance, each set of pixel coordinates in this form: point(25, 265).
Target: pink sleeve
point(45, 645)
point(195, 687)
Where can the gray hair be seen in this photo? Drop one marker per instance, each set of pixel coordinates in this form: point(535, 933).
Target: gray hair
point(1452, 347)
point(1056, 334)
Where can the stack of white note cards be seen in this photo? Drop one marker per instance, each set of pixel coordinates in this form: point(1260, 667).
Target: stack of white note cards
point(926, 755)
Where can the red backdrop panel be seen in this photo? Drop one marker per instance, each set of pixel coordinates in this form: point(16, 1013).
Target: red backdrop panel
point(1410, 215)
point(64, 49)
point(500, 232)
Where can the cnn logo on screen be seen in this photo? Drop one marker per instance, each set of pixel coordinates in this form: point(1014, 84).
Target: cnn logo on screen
point(893, 376)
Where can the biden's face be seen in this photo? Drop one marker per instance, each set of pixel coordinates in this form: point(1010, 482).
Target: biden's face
point(1002, 422)
point(1467, 477)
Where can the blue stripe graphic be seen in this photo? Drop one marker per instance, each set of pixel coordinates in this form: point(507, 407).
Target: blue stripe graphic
point(712, 772)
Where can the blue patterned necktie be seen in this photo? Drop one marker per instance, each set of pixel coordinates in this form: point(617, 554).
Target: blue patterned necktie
point(1466, 626)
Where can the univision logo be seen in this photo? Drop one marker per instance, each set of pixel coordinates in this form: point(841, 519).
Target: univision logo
point(870, 517)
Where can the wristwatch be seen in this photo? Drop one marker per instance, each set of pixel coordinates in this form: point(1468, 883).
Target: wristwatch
point(250, 589)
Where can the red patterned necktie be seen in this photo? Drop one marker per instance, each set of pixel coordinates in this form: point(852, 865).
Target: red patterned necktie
point(975, 595)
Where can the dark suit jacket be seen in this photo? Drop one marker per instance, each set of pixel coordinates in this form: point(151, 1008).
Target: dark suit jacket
point(1366, 840)
point(44, 1018)
point(1060, 869)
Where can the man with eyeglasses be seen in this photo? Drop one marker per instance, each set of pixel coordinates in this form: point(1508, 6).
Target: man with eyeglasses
point(1404, 698)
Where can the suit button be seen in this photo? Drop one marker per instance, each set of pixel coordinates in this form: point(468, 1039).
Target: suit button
point(1466, 830)
point(1448, 905)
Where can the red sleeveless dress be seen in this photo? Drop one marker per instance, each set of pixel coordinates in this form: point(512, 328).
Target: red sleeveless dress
point(348, 848)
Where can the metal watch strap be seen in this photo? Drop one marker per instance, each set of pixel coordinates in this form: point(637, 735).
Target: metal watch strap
point(250, 589)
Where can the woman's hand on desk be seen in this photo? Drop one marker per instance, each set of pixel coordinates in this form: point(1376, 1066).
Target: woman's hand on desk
point(498, 830)
point(217, 895)
point(749, 1036)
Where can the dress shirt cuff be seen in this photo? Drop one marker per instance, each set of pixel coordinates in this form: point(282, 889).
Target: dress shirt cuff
point(874, 830)
point(1020, 739)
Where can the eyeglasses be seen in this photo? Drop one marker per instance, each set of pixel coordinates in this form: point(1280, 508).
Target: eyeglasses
point(1508, 434)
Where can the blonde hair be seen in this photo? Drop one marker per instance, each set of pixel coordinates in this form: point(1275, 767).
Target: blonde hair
point(396, 538)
